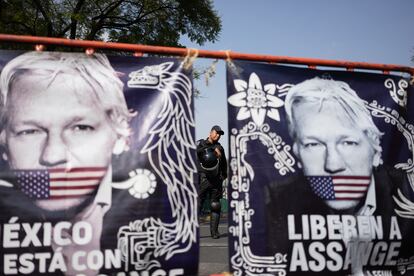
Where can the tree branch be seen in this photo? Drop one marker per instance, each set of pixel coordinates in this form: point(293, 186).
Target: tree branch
point(98, 25)
point(50, 30)
point(74, 20)
point(63, 31)
point(128, 23)
point(155, 10)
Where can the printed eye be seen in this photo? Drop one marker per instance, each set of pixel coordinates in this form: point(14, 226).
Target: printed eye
point(312, 144)
point(27, 132)
point(83, 128)
point(349, 143)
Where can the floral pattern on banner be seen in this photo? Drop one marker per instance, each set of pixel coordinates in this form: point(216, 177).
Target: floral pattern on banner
point(256, 101)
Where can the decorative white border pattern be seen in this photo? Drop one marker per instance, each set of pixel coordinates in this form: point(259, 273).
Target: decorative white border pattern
point(169, 150)
point(398, 95)
point(244, 262)
point(390, 116)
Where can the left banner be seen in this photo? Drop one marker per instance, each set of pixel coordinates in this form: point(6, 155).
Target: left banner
point(97, 165)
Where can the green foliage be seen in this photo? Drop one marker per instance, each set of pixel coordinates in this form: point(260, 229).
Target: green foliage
point(151, 22)
point(206, 72)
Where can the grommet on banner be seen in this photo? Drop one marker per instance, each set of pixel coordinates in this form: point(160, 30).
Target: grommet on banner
point(90, 51)
point(189, 58)
point(39, 47)
point(138, 54)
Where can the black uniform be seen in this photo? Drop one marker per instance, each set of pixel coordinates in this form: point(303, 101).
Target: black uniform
point(211, 184)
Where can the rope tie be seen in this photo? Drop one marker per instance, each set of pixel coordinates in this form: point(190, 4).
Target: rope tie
point(189, 59)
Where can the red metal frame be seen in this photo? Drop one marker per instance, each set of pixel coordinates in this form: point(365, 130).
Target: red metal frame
point(138, 49)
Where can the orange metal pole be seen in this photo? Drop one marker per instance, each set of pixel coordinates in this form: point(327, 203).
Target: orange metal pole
point(174, 51)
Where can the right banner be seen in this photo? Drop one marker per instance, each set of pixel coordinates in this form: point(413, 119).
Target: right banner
point(321, 171)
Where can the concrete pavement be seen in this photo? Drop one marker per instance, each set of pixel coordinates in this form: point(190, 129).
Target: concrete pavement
point(214, 253)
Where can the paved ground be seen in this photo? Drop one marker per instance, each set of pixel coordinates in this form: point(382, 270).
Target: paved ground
point(213, 252)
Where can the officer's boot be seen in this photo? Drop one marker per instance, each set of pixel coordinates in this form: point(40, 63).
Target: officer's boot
point(214, 223)
point(215, 219)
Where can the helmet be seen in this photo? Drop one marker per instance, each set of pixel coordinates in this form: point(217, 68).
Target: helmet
point(209, 161)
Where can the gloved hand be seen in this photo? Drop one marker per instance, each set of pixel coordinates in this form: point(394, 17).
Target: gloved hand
point(217, 152)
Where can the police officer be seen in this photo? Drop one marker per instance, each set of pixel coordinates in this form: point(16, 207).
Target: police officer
point(212, 169)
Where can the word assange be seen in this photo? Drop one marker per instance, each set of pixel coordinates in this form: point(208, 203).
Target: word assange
point(331, 242)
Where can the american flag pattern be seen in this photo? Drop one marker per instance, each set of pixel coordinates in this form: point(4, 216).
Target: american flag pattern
point(339, 187)
point(59, 183)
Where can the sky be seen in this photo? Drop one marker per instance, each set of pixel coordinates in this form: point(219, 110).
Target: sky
point(376, 31)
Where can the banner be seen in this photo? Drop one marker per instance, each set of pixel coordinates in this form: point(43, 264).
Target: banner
point(321, 171)
point(97, 165)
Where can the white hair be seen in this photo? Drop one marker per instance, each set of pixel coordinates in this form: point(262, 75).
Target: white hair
point(319, 90)
point(95, 70)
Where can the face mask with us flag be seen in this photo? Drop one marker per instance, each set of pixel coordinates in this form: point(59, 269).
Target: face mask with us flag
point(57, 183)
point(339, 187)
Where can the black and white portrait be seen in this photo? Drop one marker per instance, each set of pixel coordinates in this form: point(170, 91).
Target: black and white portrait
point(82, 184)
point(343, 184)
